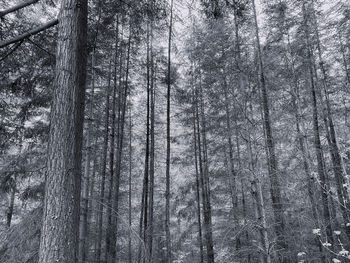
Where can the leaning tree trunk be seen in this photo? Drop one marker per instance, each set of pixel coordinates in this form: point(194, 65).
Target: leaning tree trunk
point(60, 229)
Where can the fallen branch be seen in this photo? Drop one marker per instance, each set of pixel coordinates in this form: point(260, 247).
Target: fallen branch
point(17, 7)
point(29, 33)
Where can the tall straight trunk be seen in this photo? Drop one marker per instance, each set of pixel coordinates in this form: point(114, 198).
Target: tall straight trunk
point(60, 229)
point(86, 181)
point(342, 192)
point(204, 180)
point(231, 168)
point(130, 186)
point(167, 173)
point(275, 185)
point(317, 141)
point(200, 235)
point(93, 215)
point(144, 201)
point(120, 147)
point(151, 165)
point(109, 233)
point(103, 168)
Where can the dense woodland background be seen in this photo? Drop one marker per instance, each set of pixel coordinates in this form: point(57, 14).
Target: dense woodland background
point(214, 131)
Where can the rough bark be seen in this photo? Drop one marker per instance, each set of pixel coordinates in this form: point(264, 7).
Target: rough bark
point(60, 229)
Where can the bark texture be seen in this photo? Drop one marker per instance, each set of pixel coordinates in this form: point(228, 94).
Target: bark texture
point(60, 229)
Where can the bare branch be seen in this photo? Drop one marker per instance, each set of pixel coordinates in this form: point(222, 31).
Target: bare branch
point(17, 7)
point(29, 33)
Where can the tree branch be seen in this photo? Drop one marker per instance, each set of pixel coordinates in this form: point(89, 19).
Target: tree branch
point(12, 50)
point(17, 7)
point(29, 33)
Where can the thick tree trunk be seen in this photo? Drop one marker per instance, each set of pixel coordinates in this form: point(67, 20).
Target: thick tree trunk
point(60, 229)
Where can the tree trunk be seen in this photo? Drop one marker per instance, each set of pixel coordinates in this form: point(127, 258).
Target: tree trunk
point(167, 174)
point(60, 229)
point(103, 169)
point(342, 192)
point(200, 236)
point(275, 186)
point(130, 186)
point(151, 165)
point(120, 146)
point(144, 201)
point(261, 216)
point(317, 142)
point(86, 178)
point(204, 180)
point(109, 234)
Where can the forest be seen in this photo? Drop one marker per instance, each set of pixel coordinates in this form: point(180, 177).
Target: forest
point(174, 131)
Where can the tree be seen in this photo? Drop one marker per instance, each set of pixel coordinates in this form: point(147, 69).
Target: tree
point(59, 236)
